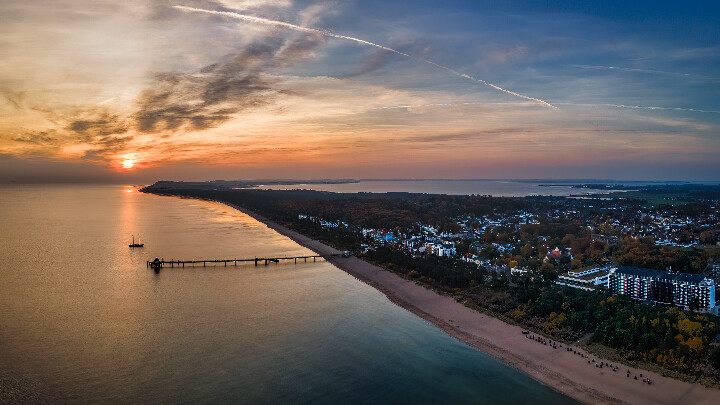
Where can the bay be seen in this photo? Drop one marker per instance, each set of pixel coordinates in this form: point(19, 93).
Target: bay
point(495, 188)
point(85, 321)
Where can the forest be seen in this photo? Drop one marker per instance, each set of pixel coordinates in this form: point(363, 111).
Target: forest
point(674, 339)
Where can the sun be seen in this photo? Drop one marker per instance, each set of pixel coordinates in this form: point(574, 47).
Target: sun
point(128, 163)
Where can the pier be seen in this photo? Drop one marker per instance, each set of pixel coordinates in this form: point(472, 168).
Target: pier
point(160, 263)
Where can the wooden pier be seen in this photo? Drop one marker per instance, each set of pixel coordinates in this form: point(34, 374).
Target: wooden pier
point(159, 263)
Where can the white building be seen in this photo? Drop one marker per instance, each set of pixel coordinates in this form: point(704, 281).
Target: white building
point(587, 279)
point(446, 250)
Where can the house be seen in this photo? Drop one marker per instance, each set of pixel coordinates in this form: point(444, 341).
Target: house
point(555, 254)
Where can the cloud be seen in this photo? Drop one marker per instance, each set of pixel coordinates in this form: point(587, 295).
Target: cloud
point(381, 58)
point(376, 61)
point(14, 98)
point(497, 55)
point(312, 14)
point(253, 4)
point(276, 23)
point(97, 82)
point(162, 9)
point(172, 101)
point(298, 48)
point(100, 125)
point(205, 99)
point(218, 91)
point(48, 137)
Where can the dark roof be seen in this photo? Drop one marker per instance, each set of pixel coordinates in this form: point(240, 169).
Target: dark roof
point(637, 271)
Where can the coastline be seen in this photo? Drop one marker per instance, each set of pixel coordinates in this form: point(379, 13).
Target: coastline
point(566, 372)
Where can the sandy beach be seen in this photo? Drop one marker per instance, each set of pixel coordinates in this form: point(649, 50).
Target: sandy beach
point(573, 372)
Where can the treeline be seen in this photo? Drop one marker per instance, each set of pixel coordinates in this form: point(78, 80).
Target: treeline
point(662, 335)
point(387, 210)
point(439, 271)
point(341, 238)
point(668, 337)
point(642, 252)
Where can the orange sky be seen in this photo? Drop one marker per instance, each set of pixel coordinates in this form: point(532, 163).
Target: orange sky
point(140, 89)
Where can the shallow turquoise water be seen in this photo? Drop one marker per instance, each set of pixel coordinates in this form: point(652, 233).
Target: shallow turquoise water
point(84, 319)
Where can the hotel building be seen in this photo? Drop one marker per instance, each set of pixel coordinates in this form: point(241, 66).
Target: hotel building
point(587, 279)
point(664, 287)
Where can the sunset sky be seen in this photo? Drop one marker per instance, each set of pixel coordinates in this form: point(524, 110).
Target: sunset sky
point(144, 90)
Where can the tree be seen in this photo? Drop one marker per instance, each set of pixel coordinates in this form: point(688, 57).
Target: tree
point(526, 250)
point(714, 357)
point(548, 271)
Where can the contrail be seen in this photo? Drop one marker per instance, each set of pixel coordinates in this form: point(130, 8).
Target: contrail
point(640, 107)
point(661, 108)
point(651, 71)
point(266, 21)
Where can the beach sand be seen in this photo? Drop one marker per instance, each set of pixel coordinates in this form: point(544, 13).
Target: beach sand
point(564, 371)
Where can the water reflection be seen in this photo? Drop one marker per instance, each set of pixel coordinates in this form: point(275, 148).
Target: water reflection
point(81, 312)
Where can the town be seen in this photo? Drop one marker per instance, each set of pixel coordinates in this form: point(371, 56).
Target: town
point(512, 244)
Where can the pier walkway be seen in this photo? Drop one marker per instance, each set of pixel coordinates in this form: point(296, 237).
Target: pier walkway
point(159, 263)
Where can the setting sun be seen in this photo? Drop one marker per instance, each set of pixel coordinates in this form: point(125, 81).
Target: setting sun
point(128, 163)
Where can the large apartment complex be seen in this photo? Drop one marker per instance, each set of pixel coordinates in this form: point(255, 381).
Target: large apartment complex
point(664, 287)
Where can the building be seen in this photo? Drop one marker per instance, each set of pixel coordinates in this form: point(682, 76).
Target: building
point(715, 268)
point(446, 250)
point(664, 287)
point(587, 279)
point(606, 239)
point(519, 270)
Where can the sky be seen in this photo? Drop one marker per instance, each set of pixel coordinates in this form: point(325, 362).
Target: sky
point(138, 91)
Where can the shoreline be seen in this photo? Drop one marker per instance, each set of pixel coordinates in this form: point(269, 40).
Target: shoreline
point(577, 377)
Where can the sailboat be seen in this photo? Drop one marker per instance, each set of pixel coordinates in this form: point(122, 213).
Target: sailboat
point(133, 244)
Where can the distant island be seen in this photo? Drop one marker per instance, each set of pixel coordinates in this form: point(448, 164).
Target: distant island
point(538, 264)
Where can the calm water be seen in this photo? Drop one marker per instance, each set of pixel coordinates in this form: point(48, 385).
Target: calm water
point(497, 188)
point(84, 320)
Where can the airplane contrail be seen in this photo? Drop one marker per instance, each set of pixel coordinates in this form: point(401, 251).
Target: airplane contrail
point(661, 108)
point(266, 21)
point(640, 107)
point(651, 71)
point(470, 103)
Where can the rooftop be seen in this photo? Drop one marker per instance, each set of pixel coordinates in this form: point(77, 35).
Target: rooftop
point(590, 276)
point(637, 271)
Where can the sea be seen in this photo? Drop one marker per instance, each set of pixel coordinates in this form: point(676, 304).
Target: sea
point(83, 320)
point(495, 188)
